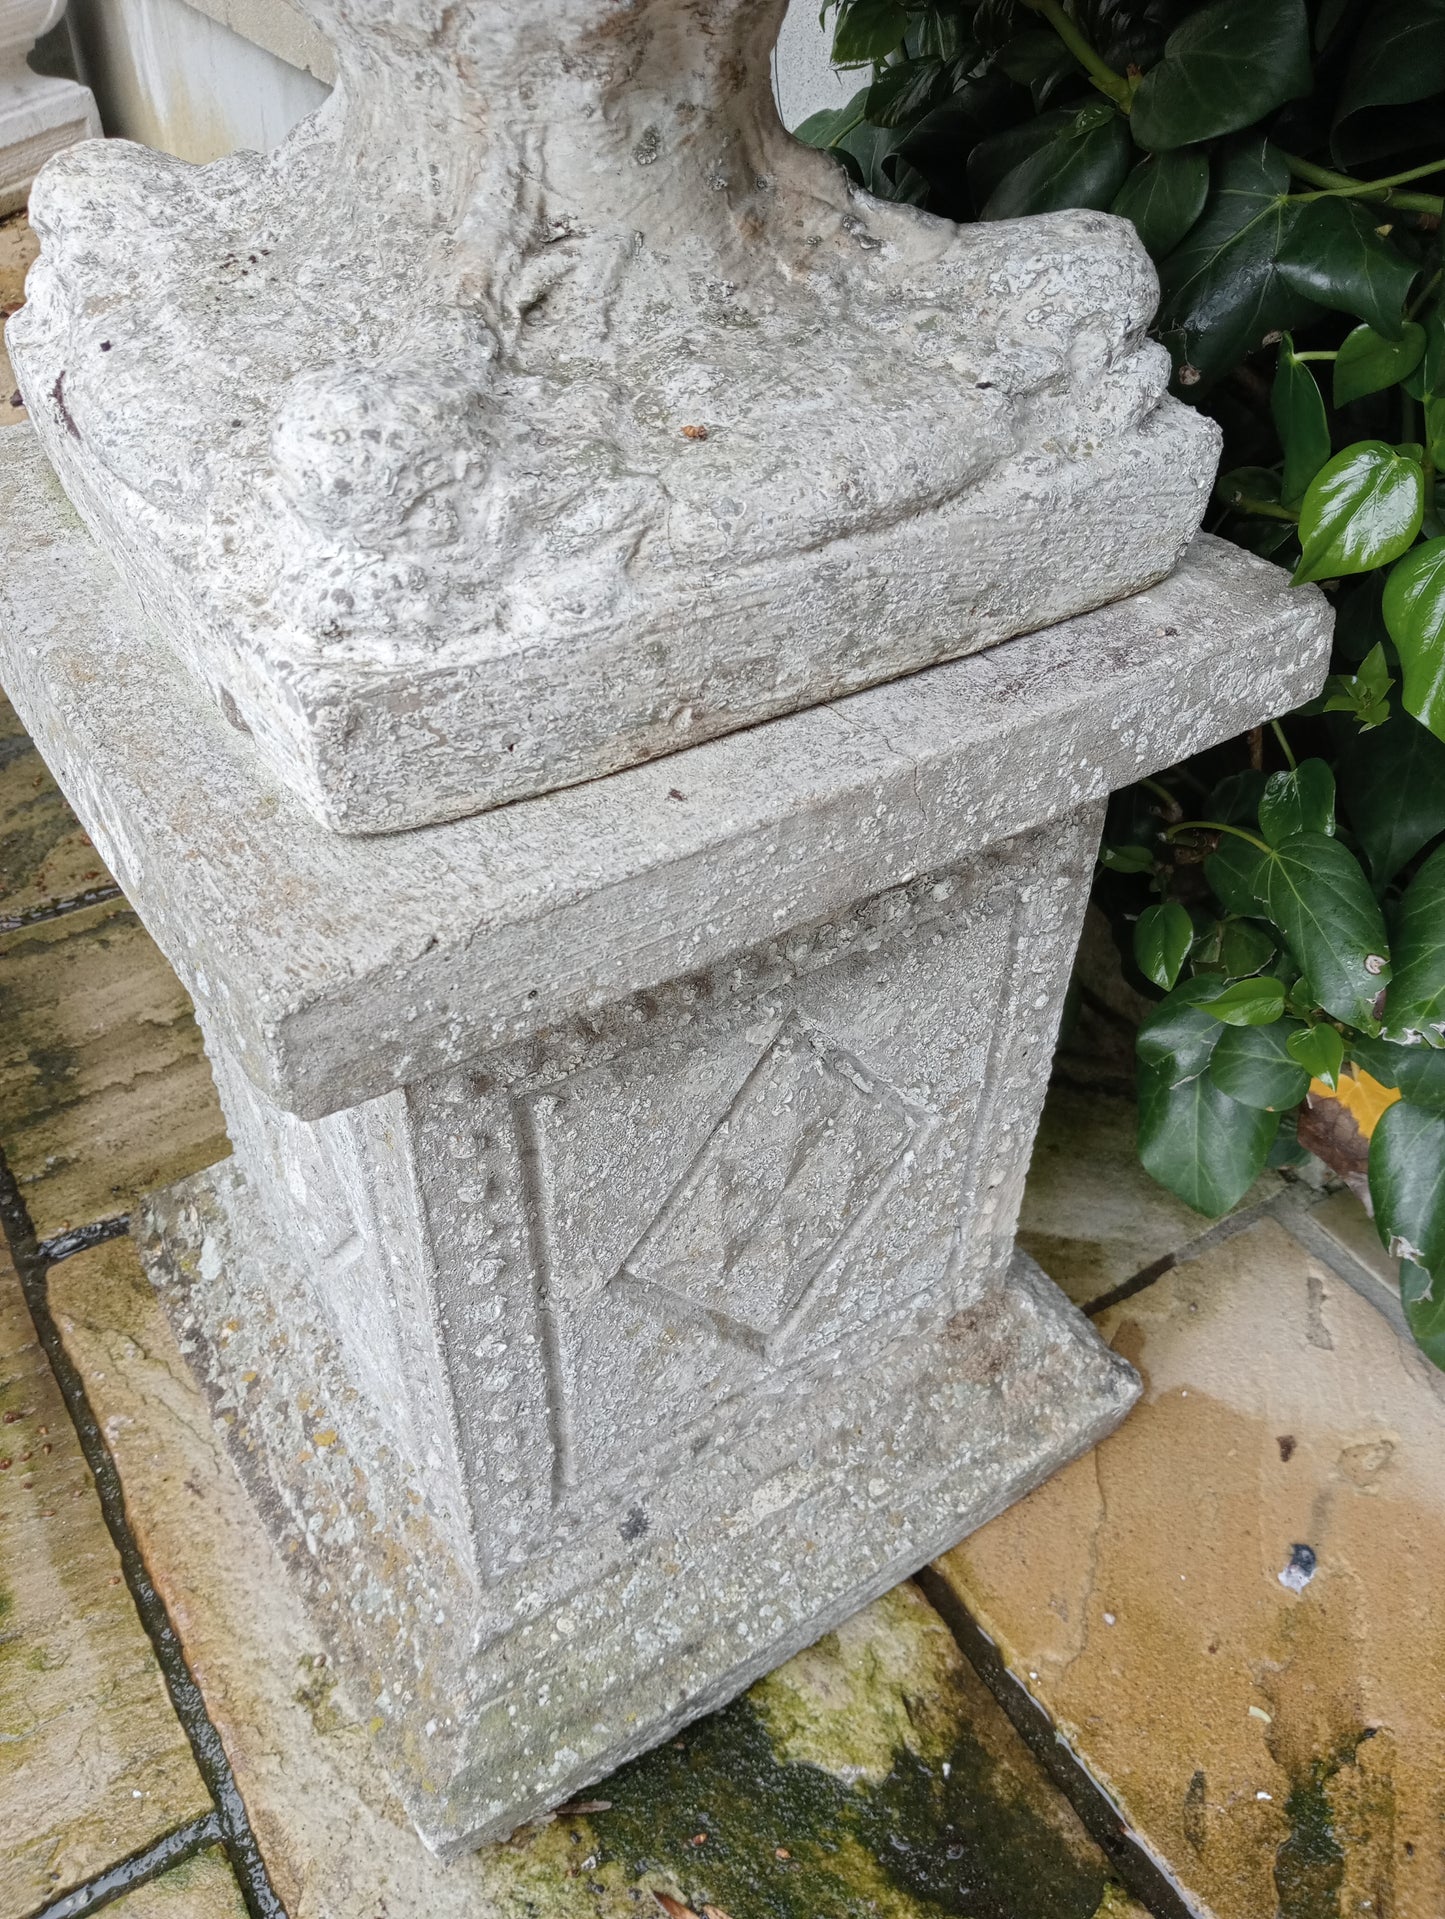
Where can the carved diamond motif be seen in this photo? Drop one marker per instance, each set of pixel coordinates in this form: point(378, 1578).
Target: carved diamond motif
point(808, 1150)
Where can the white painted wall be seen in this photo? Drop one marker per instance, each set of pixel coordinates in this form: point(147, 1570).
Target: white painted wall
point(803, 81)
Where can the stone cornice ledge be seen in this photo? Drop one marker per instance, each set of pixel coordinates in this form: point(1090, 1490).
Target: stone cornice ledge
point(341, 967)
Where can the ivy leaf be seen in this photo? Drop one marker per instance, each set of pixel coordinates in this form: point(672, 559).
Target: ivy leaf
point(1082, 166)
point(1320, 1052)
point(1235, 870)
point(1364, 693)
point(1244, 947)
point(1367, 361)
point(1205, 1147)
point(1392, 779)
point(1177, 1039)
point(827, 128)
point(1407, 1184)
point(1415, 1002)
point(1223, 287)
point(1414, 608)
point(1253, 1064)
point(1317, 895)
point(1224, 67)
point(1417, 1071)
point(1361, 510)
point(867, 30)
point(1126, 859)
point(1425, 1316)
point(1298, 408)
point(1399, 55)
point(1300, 801)
point(1336, 254)
point(1164, 196)
point(1257, 1001)
point(902, 92)
point(1163, 936)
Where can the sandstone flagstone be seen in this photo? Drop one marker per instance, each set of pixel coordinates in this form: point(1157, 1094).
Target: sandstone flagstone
point(93, 1762)
point(1231, 1608)
point(199, 1888)
point(870, 1776)
point(104, 1088)
point(45, 854)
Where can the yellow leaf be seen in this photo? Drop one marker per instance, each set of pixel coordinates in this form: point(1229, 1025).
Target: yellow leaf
point(1364, 1098)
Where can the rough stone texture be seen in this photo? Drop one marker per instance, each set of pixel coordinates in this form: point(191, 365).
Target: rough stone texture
point(45, 855)
point(104, 1089)
point(837, 1758)
point(1279, 1748)
point(334, 970)
point(39, 114)
point(488, 436)
point(760, 1167)
point(93, 1763)
point(201, 1888)
point(18, 248)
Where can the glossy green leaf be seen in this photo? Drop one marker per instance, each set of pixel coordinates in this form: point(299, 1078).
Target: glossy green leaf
point(1298, 409)
point(1317, 895)
point(1319, 1051)
point(1428, 379)
point(1244, 947)
point(1418, 1071)
point(1336, 254)
point(1248, 489)
point(1126, 859)
point(1257, 1001)
point(902, 92)
point(1164, 195)
point(1407, 1184)
point(1299, 801)
point(1415, 1002)
point(1235, 870)
point(1253, 1065)
point(1223, 289)
point(1224, 67)
point(1177, 1039)
point(1424, 1307)
point(1392, 788)
point(867, 30)
point(1163, 936)
point(1414, 607)
point(993, 158)
point(1368, 361)
point(1398, 56)
point(827, 128)
point(1361, 510)
point(1082, 166)
point(1205, 1147)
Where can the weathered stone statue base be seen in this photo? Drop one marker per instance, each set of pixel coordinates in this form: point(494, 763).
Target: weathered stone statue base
point(40, 114)
point(492, 1703)
point(613, 1284)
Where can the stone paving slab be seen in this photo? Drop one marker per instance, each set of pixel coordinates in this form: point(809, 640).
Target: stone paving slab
point(104, 1088)
point(872, 1775)
point(201, 1888)
point(93, 1763)
point(44, 854)
point(1278, 1742)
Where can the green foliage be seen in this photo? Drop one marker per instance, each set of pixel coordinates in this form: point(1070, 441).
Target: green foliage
point(1281, 161)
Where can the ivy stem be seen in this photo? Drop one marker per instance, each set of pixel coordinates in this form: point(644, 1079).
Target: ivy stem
point(1099, 71)
point(1263, 509)
point(1215, 826)
point(1340, 186)
point(1319, 353)
point(1284, 745)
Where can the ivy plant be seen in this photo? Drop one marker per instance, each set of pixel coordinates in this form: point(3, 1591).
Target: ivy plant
point(1283, 898)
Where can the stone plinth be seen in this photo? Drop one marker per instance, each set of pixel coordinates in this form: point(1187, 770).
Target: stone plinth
point(541, 407)
point(613, 1285)
point(40, 114)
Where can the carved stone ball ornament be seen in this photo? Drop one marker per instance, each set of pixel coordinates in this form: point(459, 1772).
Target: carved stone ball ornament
point(541, 406)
